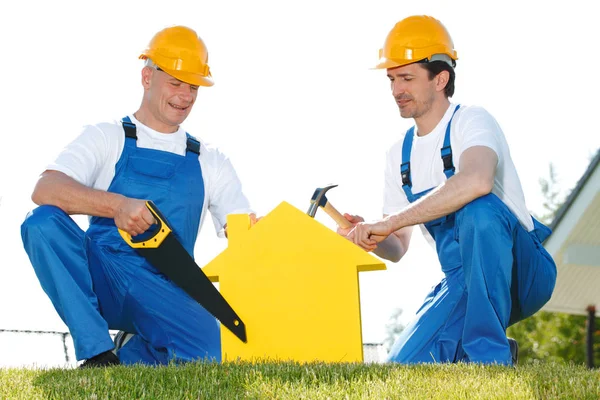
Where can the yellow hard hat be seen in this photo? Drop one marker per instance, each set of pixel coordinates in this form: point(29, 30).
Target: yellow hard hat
point(415, 39)
point(180, 52)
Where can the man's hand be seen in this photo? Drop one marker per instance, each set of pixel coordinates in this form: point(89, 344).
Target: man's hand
point(133, 216)
point(254, 219)
point(354, 219)
point(367, 235)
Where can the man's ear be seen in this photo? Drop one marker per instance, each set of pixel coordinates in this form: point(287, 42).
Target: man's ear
point(441, 80)
point(146, 77)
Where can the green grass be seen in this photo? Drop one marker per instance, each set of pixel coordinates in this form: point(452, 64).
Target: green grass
point(308, 381)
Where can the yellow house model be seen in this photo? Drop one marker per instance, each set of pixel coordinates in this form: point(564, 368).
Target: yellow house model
point(294, 283)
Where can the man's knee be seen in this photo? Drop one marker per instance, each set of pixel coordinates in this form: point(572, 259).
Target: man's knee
point(41, 221)
point(481, 213)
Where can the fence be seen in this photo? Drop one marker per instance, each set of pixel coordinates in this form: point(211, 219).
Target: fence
point(52, 349)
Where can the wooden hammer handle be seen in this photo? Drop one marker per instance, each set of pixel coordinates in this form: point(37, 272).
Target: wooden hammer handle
point(337, 216)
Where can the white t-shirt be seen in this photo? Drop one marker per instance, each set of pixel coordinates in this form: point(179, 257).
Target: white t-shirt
point(471, 126)
point(91, 159)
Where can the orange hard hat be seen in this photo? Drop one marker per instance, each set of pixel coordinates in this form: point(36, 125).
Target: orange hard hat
point(417, 38)
point(180, 52)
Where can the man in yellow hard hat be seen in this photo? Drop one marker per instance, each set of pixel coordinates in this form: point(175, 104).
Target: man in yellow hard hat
point(452, 173)
point(95, 280)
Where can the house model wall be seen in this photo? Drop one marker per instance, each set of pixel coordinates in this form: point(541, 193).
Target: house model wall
point(294, 283)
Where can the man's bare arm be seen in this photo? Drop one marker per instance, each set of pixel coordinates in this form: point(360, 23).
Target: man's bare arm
point(58, 189)
point(395, 246)
point(392, 248)
point(475, 179)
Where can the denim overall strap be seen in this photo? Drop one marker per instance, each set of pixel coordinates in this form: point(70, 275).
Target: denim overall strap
point(446, 153)
point(192, 144)
point(446, 150)
point(405, 166)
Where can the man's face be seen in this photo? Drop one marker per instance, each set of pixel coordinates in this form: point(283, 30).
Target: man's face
point(170, 99)
point(413, 91)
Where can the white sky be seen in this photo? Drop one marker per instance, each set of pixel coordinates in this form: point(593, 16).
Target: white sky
point(295, 106)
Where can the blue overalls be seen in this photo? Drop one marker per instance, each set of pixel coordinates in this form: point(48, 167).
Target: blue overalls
point(97, 282)
point(495, 274)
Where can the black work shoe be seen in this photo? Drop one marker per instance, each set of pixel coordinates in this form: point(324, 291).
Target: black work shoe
point(514, 350)
point(105, 359)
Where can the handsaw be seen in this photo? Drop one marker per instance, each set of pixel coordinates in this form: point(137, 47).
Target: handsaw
point(164, 251)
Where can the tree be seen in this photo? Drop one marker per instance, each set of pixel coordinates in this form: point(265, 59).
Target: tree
point(554, 337)
point(552, 195)
point(393, 328)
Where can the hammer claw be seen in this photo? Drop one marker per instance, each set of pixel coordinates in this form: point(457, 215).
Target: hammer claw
point(319, 200)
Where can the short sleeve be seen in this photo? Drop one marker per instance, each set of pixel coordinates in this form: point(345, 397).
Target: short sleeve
point(479, 128)
point(83, 158)
point(225, 193)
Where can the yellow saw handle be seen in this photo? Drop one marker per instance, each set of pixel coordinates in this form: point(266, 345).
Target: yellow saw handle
point(155, 240)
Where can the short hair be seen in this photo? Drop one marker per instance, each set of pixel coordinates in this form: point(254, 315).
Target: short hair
point(435, 67)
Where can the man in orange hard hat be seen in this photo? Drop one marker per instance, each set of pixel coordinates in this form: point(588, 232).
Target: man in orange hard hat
point(452, 173)
point(95, 280)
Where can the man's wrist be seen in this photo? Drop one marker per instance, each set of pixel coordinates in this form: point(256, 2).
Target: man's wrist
point(116, 203)
point(388, 223)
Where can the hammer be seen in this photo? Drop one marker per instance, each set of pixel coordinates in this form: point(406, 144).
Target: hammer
point(319, 200)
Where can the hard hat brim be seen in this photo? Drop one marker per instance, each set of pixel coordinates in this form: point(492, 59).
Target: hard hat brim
point(191, 78)
point(385, 63)
point(187, 77)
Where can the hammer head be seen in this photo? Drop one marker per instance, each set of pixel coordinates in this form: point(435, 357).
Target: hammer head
point(318, 200)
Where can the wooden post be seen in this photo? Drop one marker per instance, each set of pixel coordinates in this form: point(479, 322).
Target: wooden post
point(591, 328)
